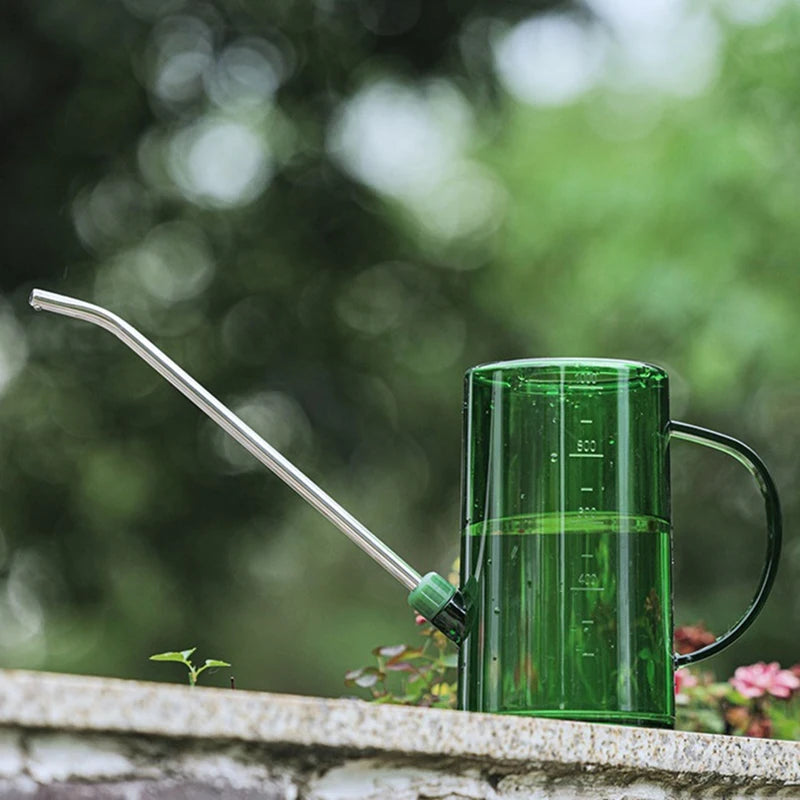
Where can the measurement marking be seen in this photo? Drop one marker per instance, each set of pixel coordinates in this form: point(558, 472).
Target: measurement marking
point(587, 421)
point(587, 622)
point(587, 555)
point(586, 455)
point(587, 489)
point(586, 588)
point(588, 655)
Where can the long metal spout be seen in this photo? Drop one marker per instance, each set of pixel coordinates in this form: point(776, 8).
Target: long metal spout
point(236, 427)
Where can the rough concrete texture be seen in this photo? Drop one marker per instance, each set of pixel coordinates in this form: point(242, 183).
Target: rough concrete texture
point(82, 738)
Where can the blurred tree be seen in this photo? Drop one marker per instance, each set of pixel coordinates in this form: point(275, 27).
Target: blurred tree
point(186, 144)
point(326, 211)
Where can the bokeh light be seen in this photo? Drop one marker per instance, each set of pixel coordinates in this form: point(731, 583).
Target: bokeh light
point(219, 162)
point(553, 59)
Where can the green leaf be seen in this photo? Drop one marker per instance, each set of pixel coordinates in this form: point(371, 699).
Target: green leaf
point(449, 661)
point(364, 677)
point(420, 676)
point(211, 662)
point(784, 726)
point(711, 721)
point(700, 721)
point(366, 681)
point(215, 662)
point(390, 651)
point(733, 696)
point(172, 655)
point(386, 699)
point(444, 689)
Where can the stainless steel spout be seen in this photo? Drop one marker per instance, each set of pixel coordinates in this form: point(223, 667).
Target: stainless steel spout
point(233, 425)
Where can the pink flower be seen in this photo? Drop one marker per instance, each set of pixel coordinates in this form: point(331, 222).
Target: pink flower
point(692, 637)
point(684, 680)
point(757, 679)
point(420, 620)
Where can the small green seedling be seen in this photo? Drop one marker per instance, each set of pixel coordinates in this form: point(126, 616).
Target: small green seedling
point(182, 657)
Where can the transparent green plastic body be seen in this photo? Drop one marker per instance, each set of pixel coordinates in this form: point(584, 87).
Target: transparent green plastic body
point(566, 549)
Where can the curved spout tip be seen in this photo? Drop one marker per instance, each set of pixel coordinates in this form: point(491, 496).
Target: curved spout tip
point(34, 298)
point(50, 301)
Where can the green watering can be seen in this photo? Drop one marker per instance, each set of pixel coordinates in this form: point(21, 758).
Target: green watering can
point(565, 605)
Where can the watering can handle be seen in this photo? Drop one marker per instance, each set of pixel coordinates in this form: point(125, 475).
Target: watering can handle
point(755, 466)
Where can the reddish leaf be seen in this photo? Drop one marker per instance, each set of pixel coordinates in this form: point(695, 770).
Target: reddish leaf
point(409, 654)
point(390, 651)
point(400, 666)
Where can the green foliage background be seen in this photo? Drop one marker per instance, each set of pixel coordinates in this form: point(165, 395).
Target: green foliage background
point(340, 319)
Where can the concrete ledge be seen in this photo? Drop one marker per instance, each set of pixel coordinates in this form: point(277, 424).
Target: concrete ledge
point(98, 738)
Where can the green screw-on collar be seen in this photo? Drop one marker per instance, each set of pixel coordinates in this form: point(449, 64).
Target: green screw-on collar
point(431, 595)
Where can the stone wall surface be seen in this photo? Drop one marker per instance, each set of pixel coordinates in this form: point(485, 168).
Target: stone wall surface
point(82, 738)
